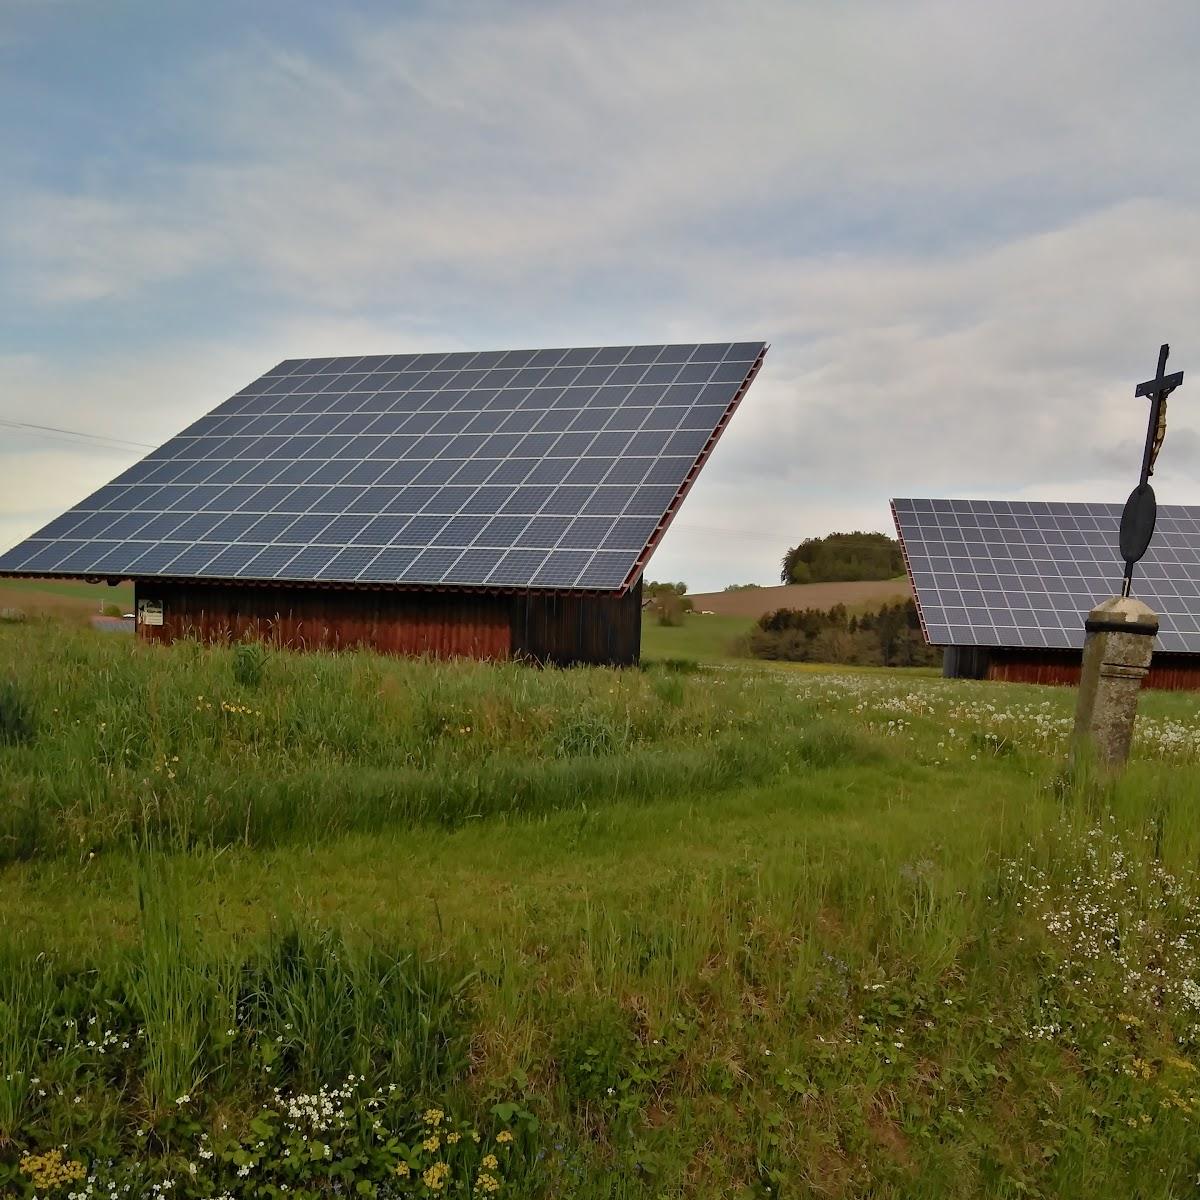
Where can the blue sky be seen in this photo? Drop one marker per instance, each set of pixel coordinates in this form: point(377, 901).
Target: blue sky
point(964, 228)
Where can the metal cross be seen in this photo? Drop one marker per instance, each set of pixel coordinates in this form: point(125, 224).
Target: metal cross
point(1158, 389)
point(1141, 509)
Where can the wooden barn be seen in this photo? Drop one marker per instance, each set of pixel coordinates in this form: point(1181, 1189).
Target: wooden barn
point(1005, 586)
point(501, 504)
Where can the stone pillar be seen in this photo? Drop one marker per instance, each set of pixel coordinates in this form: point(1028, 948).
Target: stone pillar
point(1116, 657)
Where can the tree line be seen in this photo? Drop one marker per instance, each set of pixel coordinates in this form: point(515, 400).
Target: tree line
point(843, 556)
point(889, 637)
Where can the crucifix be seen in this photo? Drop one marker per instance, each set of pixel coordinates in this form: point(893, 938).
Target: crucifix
point(1119, 632)
point(1141, 509)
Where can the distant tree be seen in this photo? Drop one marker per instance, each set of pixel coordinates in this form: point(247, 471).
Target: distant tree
point(843, 556)
point(741, 587)
point(654, 588)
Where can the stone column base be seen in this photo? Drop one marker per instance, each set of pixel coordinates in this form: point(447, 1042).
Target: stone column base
point(1116, 657)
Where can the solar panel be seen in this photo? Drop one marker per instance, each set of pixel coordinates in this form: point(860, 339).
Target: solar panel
point(1025, 575)
point(523, 468)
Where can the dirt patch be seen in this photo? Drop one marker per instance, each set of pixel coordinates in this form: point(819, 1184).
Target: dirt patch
point(892, 1140)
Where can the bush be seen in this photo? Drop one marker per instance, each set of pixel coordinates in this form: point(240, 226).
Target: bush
point(890, 637)
point(670, 610)
point(668, 601)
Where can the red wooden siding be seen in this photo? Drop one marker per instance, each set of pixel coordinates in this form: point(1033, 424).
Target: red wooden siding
point(1170, 672)
point(545, 627)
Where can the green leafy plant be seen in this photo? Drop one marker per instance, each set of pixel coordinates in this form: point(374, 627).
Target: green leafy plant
point(249, 663)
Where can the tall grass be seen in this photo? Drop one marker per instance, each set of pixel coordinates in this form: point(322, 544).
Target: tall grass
point(844, 937)
point(104, 742)
point(26, 1007)
point(117, 1054)
point(177, 998)
point(861, 999)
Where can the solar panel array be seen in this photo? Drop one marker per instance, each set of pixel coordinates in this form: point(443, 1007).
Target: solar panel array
point(1025, 575)
point(520, 468)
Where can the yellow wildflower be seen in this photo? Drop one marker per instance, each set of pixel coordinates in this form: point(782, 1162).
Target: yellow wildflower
point(435, 1178)
point(504, 1136)
point(431, 1143)
point(434, 1117)
point(490, 1162)
point(487, 1184)
point(402, 1169)
point(453, 1138)
point(51, 1170)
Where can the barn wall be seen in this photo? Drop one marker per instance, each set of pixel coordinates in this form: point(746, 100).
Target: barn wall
point(1170, 672)
point(552, 629)
point(965, 662)
point(579, 629)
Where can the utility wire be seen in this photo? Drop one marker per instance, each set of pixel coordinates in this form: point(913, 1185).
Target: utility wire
point(114, 442)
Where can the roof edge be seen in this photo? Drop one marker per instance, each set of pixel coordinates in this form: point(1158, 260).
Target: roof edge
point(321, 584)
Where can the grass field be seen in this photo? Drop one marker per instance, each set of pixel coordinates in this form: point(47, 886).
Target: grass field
point(699, 638)
point(859, 595)
point(68, 599)
point(309, 925)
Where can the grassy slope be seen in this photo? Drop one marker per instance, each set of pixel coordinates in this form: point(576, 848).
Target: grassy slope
point(63, 597)
point(699, 638)
point(822, 984)
point(712, 637)
point(857, 595)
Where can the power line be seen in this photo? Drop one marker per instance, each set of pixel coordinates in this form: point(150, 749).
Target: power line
point(114, 442)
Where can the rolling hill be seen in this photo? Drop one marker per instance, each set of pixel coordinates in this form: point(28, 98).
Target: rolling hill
point(754, 602)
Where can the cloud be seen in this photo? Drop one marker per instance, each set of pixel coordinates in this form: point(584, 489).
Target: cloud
point(80, 249)
point(964, 243)
point(528, 148)
point(1008, 372)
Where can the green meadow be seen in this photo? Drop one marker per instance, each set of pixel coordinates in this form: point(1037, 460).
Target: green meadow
point(700, 637)
point(313, 925)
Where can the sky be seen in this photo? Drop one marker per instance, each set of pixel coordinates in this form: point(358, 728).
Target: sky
point(963, 227)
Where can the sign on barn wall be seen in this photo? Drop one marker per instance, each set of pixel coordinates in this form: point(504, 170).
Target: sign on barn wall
point(150, 612)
